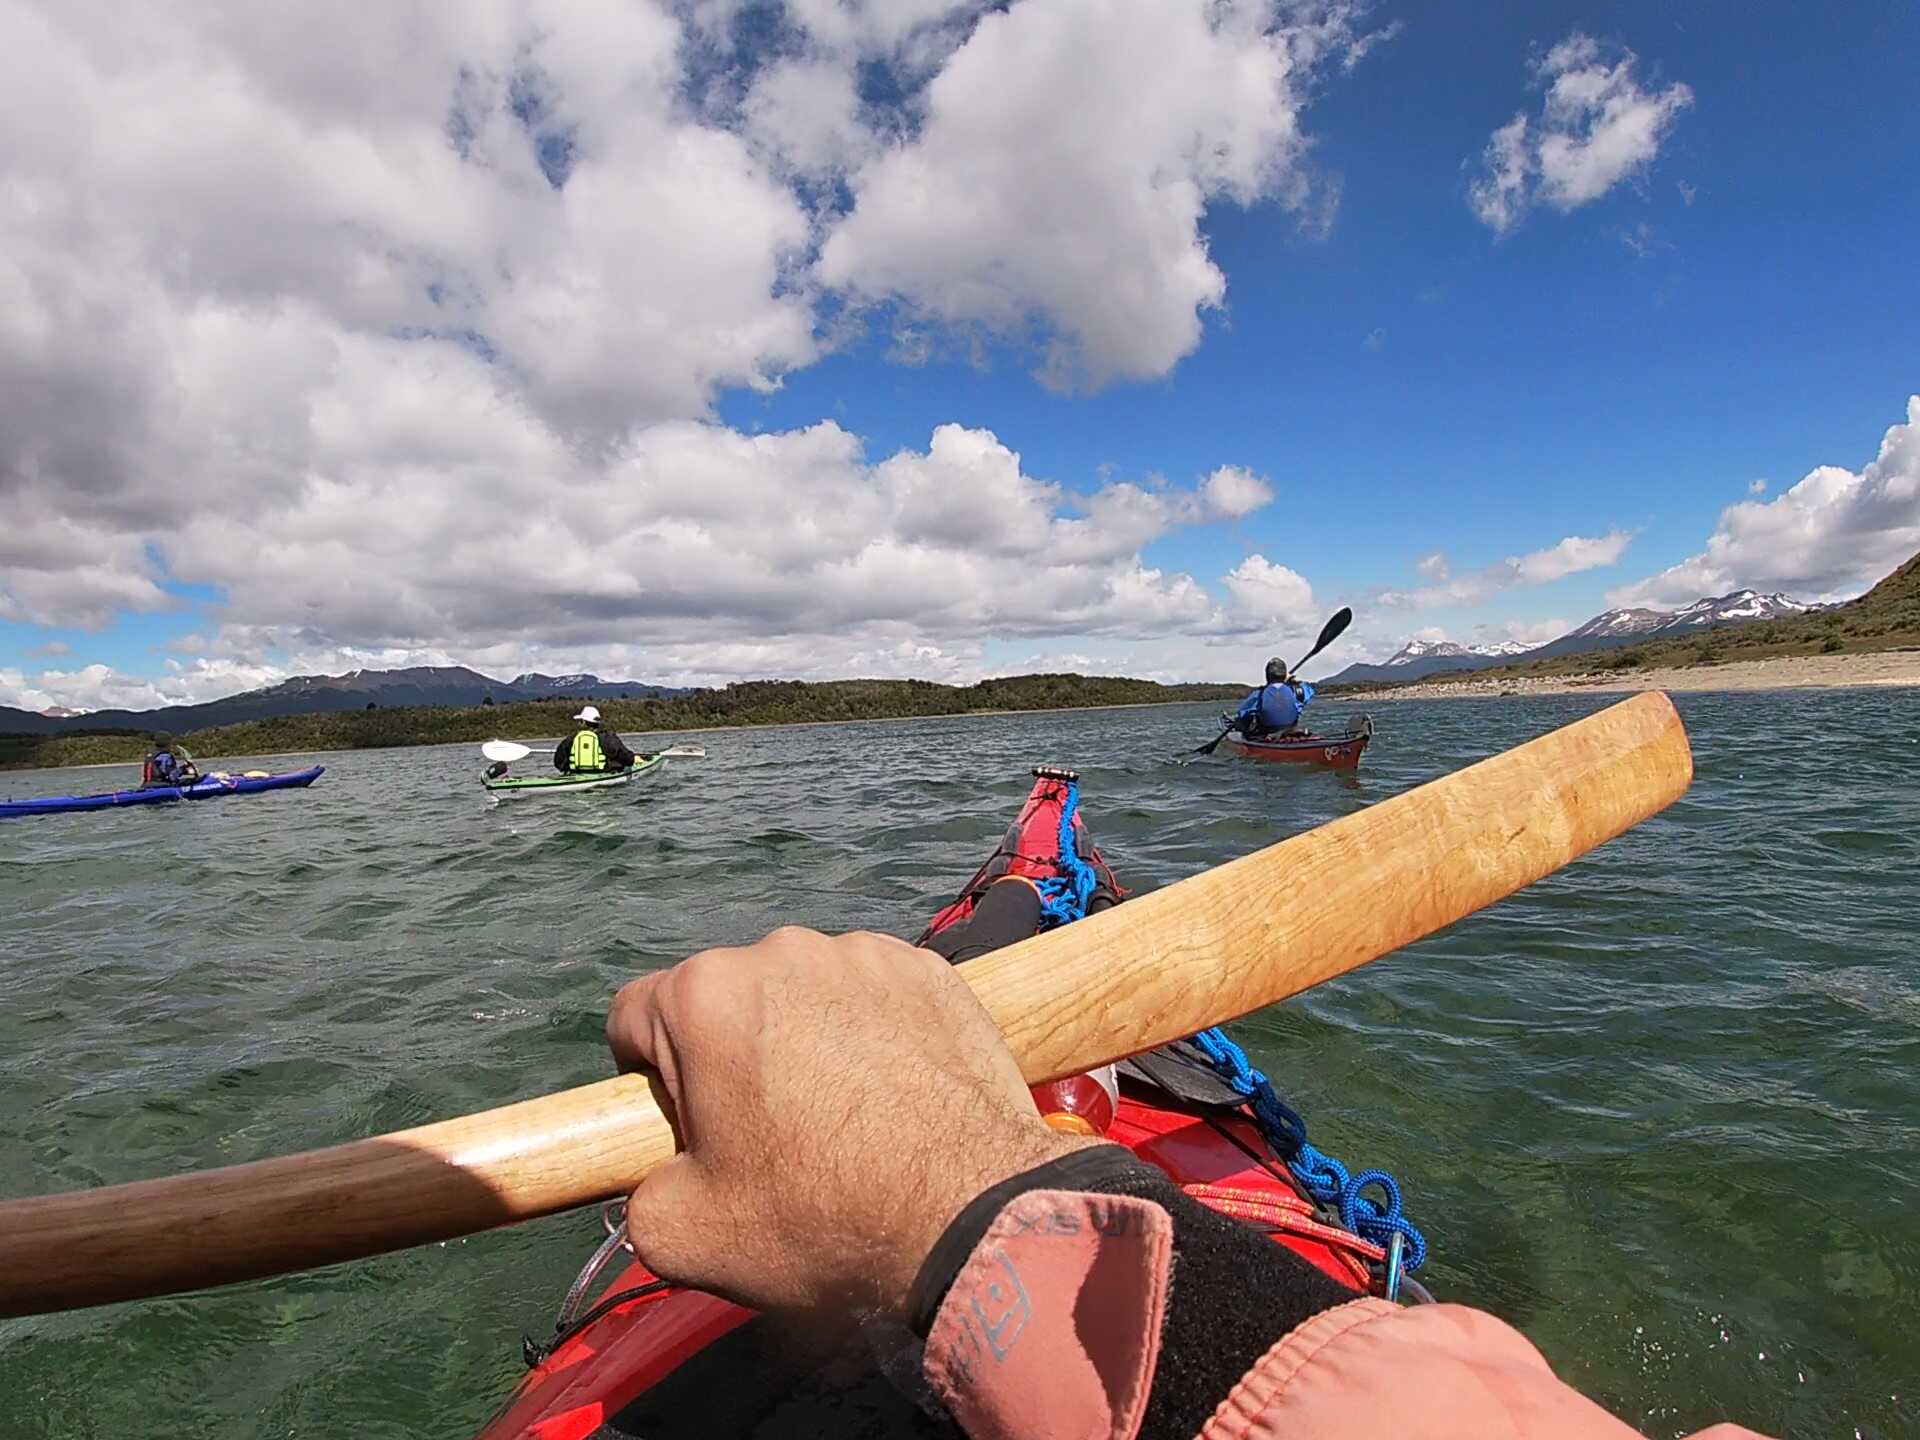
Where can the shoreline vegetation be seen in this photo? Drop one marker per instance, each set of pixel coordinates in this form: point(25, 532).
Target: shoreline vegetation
point(756, 703)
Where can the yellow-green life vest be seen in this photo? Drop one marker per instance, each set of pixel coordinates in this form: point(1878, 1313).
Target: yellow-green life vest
point(586, 753)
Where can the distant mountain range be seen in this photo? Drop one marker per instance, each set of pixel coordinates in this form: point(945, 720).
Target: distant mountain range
point(1608, 630)
point(1429, 657)
point(453, 685)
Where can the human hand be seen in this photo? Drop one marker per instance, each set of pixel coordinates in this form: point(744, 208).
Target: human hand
point(839, 1101)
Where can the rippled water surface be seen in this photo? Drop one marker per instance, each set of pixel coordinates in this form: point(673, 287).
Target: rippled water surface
point(1662, 1111)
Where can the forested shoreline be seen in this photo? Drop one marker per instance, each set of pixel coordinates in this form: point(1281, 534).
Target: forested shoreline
point(759, 702)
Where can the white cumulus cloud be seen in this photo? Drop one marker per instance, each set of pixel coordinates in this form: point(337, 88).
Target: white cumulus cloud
point(1232, 492)
point(1831, 536)
point(1537, 567)
point(1067, 155)
point(1526, 632)
point(1597, 127)
point(405, 334)
point(1569, 557)
point(1264, 590)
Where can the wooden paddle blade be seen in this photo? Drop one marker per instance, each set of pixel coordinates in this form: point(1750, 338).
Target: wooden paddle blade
point(1201, 952)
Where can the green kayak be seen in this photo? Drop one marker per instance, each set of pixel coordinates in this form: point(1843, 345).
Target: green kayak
point(554, 784)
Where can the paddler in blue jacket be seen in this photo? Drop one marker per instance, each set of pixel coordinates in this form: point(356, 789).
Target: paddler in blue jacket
point(1273, 709)
point(168, 764)
point(592, 748)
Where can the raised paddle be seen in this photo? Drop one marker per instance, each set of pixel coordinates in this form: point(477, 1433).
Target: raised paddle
point(1330, 632)
point(1198, 953)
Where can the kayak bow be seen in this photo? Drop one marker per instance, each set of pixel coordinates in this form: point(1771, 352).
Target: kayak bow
point(651, 1359)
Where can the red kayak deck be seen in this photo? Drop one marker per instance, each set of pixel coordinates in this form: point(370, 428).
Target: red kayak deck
point(630, 1346)
point(643, 1331)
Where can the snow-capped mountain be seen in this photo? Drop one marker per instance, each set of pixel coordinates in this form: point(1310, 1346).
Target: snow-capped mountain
point(1608, 630)
point(1609, 624)
point(1428, 657)
point(1740, 605)
point(1613, 628)
point(1415, 650)
point(534, 683)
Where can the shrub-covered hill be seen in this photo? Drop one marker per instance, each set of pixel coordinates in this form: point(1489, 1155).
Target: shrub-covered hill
point(759, 702)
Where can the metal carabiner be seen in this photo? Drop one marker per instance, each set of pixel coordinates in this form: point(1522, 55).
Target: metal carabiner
point(1390, 1286)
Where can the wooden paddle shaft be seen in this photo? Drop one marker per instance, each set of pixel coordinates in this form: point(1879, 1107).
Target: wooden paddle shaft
point(1198, 953)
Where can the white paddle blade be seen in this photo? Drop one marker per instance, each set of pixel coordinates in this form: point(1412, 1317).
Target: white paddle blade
point(684, 752)
point(504, 750)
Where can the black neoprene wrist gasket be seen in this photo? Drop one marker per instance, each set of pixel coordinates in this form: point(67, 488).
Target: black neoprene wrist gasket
point(1234, 1292)
point(1089, 1171)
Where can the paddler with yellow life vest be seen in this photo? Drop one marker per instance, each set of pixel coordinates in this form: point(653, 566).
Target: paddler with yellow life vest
point(592, 748)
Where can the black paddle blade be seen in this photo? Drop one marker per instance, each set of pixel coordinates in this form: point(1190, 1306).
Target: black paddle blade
point(1213, 744)
point(1330, 632)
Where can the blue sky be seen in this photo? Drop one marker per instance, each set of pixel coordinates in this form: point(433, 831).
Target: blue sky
point(1731, 304)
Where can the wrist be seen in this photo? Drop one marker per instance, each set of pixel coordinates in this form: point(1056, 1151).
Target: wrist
point(1070, 1162)
point(949, 1194)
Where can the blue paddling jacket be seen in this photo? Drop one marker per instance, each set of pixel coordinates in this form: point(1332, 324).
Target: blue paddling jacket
point(1272, 709)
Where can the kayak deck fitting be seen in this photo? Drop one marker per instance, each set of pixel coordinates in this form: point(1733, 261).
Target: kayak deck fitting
point(212, 787)
point(650, 1359)
point(554, 784)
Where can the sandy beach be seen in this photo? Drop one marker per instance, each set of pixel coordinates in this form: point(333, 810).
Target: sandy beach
point(1785, 672)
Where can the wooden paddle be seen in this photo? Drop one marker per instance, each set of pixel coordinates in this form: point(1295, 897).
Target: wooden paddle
point(1198, 953)
point(1330, 632)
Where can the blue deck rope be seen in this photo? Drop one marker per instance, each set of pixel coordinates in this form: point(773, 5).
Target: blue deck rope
point(1063, 898)
point(1323, 1178)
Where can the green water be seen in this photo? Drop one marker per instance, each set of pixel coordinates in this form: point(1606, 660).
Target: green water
point(1662, 1111)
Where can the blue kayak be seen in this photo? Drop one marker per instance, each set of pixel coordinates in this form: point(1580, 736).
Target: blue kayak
point(213, 787)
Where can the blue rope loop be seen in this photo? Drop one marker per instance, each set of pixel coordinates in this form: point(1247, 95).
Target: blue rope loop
point(1064, 897)
point(1324, 1178)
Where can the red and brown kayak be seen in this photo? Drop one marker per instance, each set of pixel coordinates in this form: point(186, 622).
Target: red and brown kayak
point(649, 1359)
point(1335, 752)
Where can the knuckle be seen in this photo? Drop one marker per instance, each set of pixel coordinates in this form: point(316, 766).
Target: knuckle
point(792, 936)
point(701, 979)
